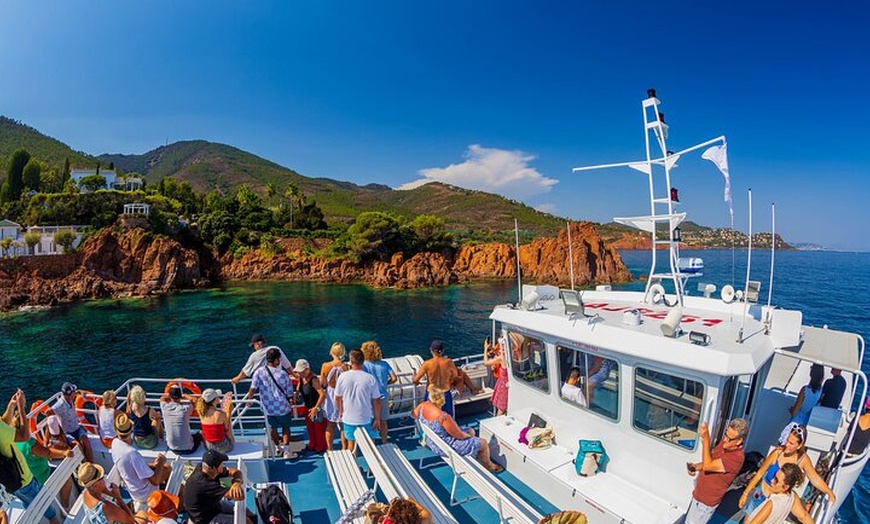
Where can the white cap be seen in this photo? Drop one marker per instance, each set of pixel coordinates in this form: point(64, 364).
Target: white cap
point(301, 365)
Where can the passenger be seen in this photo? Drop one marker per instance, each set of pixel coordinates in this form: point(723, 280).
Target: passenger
point(793, 452)
point(140, 477)
point(257, 359)
point(358, 399)
point(493, 357)
point(383, 373)
point(598, 373)
point(716, 471)
point(14, 428)
point(440, 373)
point(808, 397)
point(37, 457)
point(206, 500)
point(313, 397)
point(782, 500)
point(146, 420)
point(65, 410)
point(862, 433)
point(571, 389)
point(833, 390)
point(103, 502)
point(176, 418)
point(274, 386)
point(329, 373)
point(216, 430)
point(462, 440)
point(106, 418)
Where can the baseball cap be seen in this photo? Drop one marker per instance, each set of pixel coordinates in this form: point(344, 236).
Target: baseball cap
point(214, 458)
point(68, 388)
point(436, 346)
point(257, 338)
point(301, 365)
point(210, 394)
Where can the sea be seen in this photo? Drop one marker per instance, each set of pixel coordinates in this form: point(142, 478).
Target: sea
point(204, 334)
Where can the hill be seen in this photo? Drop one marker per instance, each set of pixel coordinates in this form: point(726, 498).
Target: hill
point(208, 166)
point(14, 134)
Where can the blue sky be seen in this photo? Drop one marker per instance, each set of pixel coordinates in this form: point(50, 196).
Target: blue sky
point(501, 96)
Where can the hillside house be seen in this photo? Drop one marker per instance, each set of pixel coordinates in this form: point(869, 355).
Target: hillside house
point(9, 229)
point(46, 244)
point(110, 176)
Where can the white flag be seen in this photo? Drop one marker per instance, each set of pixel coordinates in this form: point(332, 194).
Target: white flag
point(719, 156)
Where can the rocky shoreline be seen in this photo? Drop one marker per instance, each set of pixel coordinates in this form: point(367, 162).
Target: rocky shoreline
point(129, 263)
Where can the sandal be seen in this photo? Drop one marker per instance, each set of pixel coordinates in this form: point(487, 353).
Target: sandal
point(495, 468)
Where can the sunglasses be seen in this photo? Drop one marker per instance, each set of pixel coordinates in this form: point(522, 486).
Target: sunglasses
point(726, 438)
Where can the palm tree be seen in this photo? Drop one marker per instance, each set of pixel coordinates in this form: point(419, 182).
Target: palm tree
point(270, 192)
point(295, 196)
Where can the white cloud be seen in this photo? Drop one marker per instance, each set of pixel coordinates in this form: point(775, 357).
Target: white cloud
point(499, 171)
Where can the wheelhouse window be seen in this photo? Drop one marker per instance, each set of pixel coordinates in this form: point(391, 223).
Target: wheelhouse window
point(667, 407)
point(528, 360)
point(589, 380)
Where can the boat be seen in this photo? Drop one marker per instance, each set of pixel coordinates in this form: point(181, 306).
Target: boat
point(691, 265)
point(654, 365)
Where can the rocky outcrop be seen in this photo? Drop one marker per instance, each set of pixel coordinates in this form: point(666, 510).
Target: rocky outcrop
point(110, 264)
point(544, 261)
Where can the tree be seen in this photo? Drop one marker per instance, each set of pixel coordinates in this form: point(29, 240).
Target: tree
point(66, 171)
point(93, 182)
point(428, 232)
point(65, 239)
point(31, 239)
point(20, 158)
point(374, 235)
point(5, 244)
point(294, 195)
point(30, 175)
point(270, 192)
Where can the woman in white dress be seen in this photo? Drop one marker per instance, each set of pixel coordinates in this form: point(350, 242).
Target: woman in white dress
point(782, 500)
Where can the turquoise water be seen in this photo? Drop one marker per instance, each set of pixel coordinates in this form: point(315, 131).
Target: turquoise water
point(204, 334)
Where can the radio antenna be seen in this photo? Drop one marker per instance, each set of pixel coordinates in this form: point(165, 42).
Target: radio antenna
point(748, 266)
point(570, 255)
point(519, 271)
point(769, 318)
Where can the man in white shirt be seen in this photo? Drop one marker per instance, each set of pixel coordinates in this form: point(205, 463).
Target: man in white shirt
point(140, 477)
point(571, 389)
point(358, 399)
point(257, 359)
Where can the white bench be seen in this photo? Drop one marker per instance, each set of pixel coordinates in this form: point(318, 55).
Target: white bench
point(510, 507)
point(240, 506)
point(552, 472)
point(346, 479)
point(49, 492)
point(397, 477)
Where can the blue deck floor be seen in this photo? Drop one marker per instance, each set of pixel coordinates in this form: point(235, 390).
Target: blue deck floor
point(313, 498)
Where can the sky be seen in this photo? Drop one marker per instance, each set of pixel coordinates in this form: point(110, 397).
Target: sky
point(500, 96)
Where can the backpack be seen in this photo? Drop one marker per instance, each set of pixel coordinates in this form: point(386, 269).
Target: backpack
point(10, 471)
point(273, 506)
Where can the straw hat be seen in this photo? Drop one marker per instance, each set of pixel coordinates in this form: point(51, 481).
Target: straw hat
point(89, 474)
point(123, 425)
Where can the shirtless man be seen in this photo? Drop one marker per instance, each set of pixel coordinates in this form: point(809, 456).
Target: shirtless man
point(440, 372)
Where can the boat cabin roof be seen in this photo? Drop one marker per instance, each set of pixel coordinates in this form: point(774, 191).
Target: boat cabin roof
point(602, 326)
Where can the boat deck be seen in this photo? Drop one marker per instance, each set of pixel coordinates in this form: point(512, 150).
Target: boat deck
point(314, 501)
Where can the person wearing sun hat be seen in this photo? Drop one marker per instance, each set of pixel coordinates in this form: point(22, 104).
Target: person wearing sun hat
point(140, 477)
point(103, 502)
point(206, 500)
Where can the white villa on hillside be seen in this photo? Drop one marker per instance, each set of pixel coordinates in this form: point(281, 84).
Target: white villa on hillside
point(46, 244)
point(113, 181)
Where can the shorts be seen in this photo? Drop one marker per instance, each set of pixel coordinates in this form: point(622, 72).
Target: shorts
point(146, 442)
point(77, 434)
point(28, 493)
point(279, 421)
point(385, 408)
point(227, 514)
point(349, 430)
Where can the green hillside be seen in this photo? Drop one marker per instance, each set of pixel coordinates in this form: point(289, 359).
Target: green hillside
point(207, 166)
point(14, 135)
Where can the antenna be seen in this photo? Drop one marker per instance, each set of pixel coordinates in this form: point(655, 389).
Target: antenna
point(519, 270)
point(772, 257)
point(570, 255)
point(748, 266)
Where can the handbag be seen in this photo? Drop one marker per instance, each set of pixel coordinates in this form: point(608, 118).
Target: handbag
point(541, 438)
point(535, 421)
point(587, 465)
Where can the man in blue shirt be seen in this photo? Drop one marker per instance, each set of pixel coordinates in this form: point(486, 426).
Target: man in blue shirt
point(833, 390)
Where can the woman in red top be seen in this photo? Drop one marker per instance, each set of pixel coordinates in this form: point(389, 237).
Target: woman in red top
point(216, 429)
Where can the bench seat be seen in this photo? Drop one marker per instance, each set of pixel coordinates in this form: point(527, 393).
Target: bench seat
point(346, 479)
point(552, 472)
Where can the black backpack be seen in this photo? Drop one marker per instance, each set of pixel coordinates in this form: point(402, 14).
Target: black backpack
point(10, 471)
point(273, 506)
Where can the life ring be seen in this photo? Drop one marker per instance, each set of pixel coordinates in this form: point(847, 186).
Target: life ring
point(185, 385)
point(657, 293)
point(82, 400)
point(39, 407)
